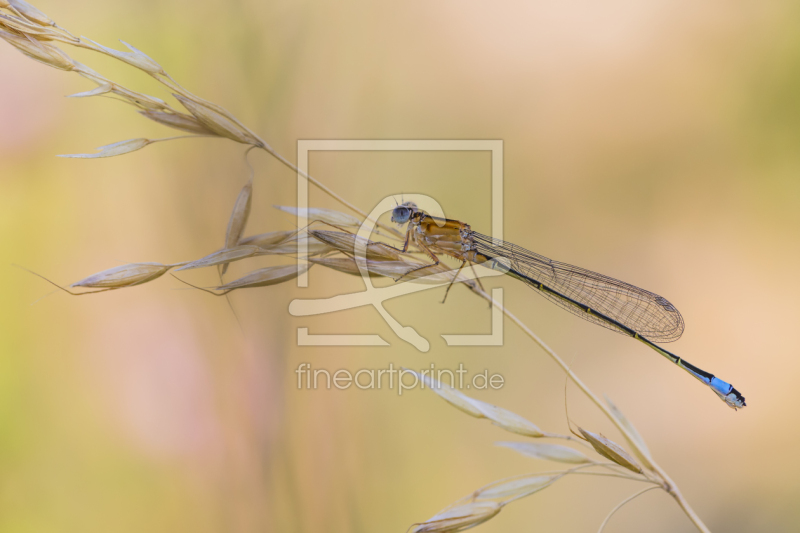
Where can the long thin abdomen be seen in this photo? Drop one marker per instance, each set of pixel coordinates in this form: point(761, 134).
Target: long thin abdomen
point(723, 389)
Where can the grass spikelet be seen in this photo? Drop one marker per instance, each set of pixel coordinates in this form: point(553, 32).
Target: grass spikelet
point(459, 518)
point(112, 279)
point(500, 417)
point(239, 216)
point(223, 257)
point(330, 216)
point(346, 242)
point(407, 271)
point(103, 88)
point(516, 488)
point(390, 269)
point(292, 246)
point(217, 122)
point(143, 101)
point(451, 395)
point(548, 452)
point(639, 447)
point(265, 277)
point(135, 58)
point(21, 26)
point(346, 265)
point(115, 149)
point(178, 121)
point(264, 240)
point(124, 276)
point(30, 12)
point(41, 52)
point(507, 420)
point(611, 450)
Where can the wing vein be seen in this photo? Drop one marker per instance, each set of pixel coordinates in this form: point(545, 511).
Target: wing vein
point(646, 313)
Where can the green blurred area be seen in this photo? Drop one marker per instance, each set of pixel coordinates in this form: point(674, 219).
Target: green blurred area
point(656, 142)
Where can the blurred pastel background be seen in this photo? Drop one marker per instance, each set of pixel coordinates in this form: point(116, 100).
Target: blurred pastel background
point(654, 141)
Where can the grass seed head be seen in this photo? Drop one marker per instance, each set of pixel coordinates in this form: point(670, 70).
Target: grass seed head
point(331, 216)
point(30, 12)
point(144, 101)
point(611, 450)
point(263, 240)
point(179, 121)
point(347, 265)
point(391, 269)
point(111, 150)
point(42, 52)
point(408, 271)
point(350, 265)
point(22, 26)
point(265, 277)
point(239, 216)
point(548, 452)
point(507, 420)
point(217, 122)
point(90, 74)
point(292, 245)
point(500, 417)
point(516, 488)
point(459, 518)
point(103, 88)
point(223, 257)
point(135, 57)
point(124, 276)
point(639, 447)
point(346, 242)
point(451, 395)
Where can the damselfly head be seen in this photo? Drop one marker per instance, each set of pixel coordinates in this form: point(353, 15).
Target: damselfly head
point(402, 213)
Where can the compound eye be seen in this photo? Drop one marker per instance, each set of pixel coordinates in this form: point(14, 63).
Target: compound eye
point(401, 215)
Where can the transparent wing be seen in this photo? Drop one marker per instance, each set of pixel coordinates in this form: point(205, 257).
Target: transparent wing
point(646, 313)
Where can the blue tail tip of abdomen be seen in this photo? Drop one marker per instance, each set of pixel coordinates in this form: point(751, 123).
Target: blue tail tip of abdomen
point(727, 393)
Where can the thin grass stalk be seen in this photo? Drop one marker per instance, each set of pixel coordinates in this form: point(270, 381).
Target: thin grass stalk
point(621, 504)
point(669, 486)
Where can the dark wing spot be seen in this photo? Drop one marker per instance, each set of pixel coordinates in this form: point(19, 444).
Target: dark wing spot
point(663, 302)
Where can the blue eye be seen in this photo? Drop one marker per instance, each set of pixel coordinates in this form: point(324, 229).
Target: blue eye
point(401, 214)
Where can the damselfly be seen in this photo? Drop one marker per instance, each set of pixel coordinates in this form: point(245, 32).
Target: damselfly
point(608, 302)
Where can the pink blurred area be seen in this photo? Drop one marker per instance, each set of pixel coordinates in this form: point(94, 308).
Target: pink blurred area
point(29, 113)
point(656, 142)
